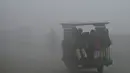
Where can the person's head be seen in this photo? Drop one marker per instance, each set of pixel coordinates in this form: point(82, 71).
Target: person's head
point(92, 31)
point(80, 30)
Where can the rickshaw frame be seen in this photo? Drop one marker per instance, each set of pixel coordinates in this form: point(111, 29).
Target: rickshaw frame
point(99, 63)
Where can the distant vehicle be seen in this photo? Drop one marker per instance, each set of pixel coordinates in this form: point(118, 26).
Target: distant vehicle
point(99, 56)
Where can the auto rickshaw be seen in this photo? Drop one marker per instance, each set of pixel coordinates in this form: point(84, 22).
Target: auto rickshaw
point(101, 56)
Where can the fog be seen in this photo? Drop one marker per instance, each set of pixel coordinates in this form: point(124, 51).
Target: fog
point(26, 27)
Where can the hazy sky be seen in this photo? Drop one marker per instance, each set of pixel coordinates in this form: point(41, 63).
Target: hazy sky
point(40, 15)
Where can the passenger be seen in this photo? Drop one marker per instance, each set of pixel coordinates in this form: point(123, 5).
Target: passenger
point(80, 42)
point(85, 37)
point(105, 40)
point(92, 37)
point(90, 50)
point(97, 45)
point(79, 38)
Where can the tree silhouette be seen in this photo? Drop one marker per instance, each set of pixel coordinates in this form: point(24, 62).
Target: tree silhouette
point(53, 40)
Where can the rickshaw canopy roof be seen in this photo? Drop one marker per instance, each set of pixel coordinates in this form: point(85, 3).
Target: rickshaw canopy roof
point(70, 25)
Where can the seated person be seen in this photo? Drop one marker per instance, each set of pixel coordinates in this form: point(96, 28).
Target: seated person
point(91, 46)
point(79, 42)
point(104, 36)
point(79, 38)
point(85, 37)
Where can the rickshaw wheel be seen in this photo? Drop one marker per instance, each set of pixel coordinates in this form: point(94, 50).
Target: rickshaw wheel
point(100, 69)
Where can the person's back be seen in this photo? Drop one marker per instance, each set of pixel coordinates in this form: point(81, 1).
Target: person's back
point(85, 38)
point(79, 38)
point(104, 37)
point(91, 47)
point(91, 38)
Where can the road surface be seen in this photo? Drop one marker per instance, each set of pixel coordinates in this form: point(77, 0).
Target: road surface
point(29, 58)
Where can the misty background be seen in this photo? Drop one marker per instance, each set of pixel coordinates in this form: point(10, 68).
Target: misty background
point(26, 27)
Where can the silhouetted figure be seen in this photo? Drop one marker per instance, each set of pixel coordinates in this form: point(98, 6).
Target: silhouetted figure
point(91, 46)
point(85, 39)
